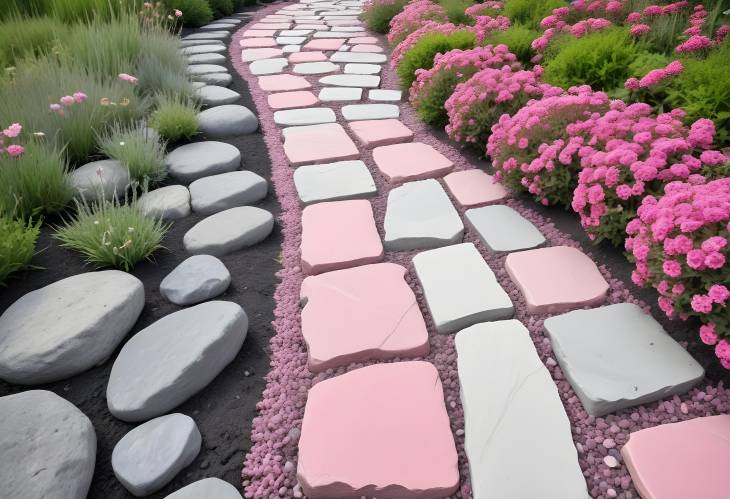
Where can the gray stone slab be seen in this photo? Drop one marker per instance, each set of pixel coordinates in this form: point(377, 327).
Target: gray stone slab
point(203, 49)
point(360, 81)
point(362, 69)
point(370, 111)
point(331, 34)
point(216, 193)
point(105, 179)
point(304, 116)
point(209, 35)
point(200, 159)
point(316, 68)
point(219, 79)
point(213, 95)
point(503, 229)
point(460, 288)
point(196, 279)
point(350, 29)
point(334, 94)
point(206, 58)
point(203, 42)
point(618, 356)
point(334, 181)
point(359, 57)
point(379, 94)
point(515, 423)
point(217, 26)
point(295, 32)
point(228, 231)
point(291, 49)
point(208, 488)
point(227, 121)
point(268, 66)
point(291, 40)
point(255, 54)
point(171, 202)
point(205, 69)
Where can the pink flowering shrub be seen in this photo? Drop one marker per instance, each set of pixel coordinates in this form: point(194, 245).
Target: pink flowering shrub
point(486, 26)
point(11, 132)
point(412, 17)
point(533, 152)
point(489, 8)
point(679, 243)
point(428, 27)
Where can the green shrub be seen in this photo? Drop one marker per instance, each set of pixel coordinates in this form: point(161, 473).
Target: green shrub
point(195, 12)
point(141, 153)
point(518, 39)
point(529, 13)
point(175, 119)
point(17, 245)
point(378, 14)
point(422, 53)
point(20, 37)
point(36, 183)
point(455, 10)
point(74, 11)
point(221, 8)
point(161, 67)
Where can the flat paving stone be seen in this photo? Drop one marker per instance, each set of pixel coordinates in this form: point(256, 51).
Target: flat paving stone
point(198, 278)
point(334, 181)
point(291, 40)
point(505, 436)
point(295, 32)
point(370, 111)
point(266, 33)
point(248, 55)
point(171, 202)
point(324, 44)
point(460, 288)
point(410, 161)
point(338, 235)
point(343, 80)
point(268, 66)
point(318, 144)
point(503, 229)
point(206, 58)
point(362, 39)
point(257, 42)
point(288, 100)
point(373, 133)
point(362, 69)
point(218, 79)
point(227, 121)
point(228, 231)
point(361, 57)
point(618, 356)
point(216, 193)
point(307, 57)
point(474, 188)
point(378, 94)
point(208, 35)
point(206, 488)
point(203, 69)
point(291, 49)
point(315, 68)
point(280, 83)
point(681, 460)
point(351, 447)
point(360, 314)
point(213, 95)
point(332, 34)
point(202, 42)
point(556, 279)
point(335, 94)
point(304, 116)
point(270, 25)
point(200, 159)
point(363, 47)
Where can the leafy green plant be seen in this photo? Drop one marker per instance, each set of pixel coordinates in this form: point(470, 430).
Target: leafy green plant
point(518, 39)
point(221, 8)
point(455, 10)
point(529, 13)
point(75, 11)
point(20, 37)
point(136, 149)
point(378, 13)
point(161, 67)
point(17, 245)
point(422, 53)
point(195, 12)
point(175, 118)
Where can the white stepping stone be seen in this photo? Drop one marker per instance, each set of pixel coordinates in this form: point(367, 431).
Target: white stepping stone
point(227, 121)
point(203, 49)
point(200, 159)
point(221, 79)
point(206, 58)
point(196, 343)
point(207, 488)
point(515, 425)
point(379, 94)
point(291, 40)
point(67, 327)
point(360, 57)
point(248, 55)
point(291, 49)
point(196, 279)
point(362, 69)
point(295, 32)
point(149, 456)
point(330, 34)
point(343, 80)
point(212, 95)
point(318, 144)
point(105, 179)
point(618, 356)
point(304, 116)
point(315, 68)
point(503, 229)
point(370, 111)
point(268, 66)
point(334, 181)
point(48, 447)
point(351, 29)
point(460, 288)
point(168, 203)
point(216, 193)
point(208, 35)
point(343, 48)
point(203, 69)
point(334, 94)
point(228, 231)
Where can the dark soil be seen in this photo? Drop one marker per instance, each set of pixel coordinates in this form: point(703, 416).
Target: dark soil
point(223, 410)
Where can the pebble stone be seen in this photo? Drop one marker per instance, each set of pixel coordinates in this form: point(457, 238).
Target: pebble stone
point(216, 193)
point(171, 202)
point(228, 231)
point(226, 121)
point(213, 95)
point(204, 69)
point(202, 42)
point(105, 179)
point(196, 279)
point(207, 58)
point(220, 79)
point(208, 488)
point(208, 35)
point(200, 159)
point(254, 54)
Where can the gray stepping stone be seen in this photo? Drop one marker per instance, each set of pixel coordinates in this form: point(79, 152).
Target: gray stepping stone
point(207, 58)
point(227, 121)
point(197, 85)
point(196, 343)
point(315, 68)
point(360, 57)
point(334, 94)
point(208, 35)
point(200, 159)
point(618, 356)
point(196, 279)
point(148, 457)
point(420, 215)
point(504, 433)
point(334, 182)
point(213, 95)
point(168, 203)
point(343, 48)
point(291, 40)
point(370, 111)
point(290, 49)
point(503, 229)
point(228, 231)
point(268, 66)
point(304, 116)
point(379, 94)
point(460, 288)
point(105, 179)
point(217, 26)
point(331, 34)
point(193, 43)
point(360, 81)
point(362, 69)
point(67, 327)
point(48, 447)
point(205, 69)
point(295, 32)
point(216, 193)
point(203, 49)
point(219, 79)
point(255, 54)
point(351, 28)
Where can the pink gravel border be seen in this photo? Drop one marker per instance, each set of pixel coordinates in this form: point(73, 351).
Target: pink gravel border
point(270, 466)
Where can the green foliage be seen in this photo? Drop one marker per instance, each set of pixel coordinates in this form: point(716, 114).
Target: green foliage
point(138, 150)
point(175, 119)
point(20, 37)
point(529, 13)
point(221, 8)
point(422, 53)
point(455, 10)
point(17, 245)
point(195, 12)
point(518, 39)
point(378, 15)
point(161, 67)
point(429, 103)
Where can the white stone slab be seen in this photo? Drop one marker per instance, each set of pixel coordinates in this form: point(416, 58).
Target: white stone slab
point(379, 94)
point(370, 111)
point(334, 181)
point(331, 34)
point(363, 57)
point(290, 40)
point(290, 49)
point(503, 229)
point(304, 116)
point(329, 94)
point(315, 68)
point(362, 69)
point(249, 55)
point(268, 66)
point(361, 81)
point(295, 32)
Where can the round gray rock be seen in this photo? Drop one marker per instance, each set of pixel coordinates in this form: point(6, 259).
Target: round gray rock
point(220, 79)
point(166, 363)
point(227, 121)
point(200, 41)
point(149, 456)
point(207, 58)
point(198, 278)
point(67, 327)
point(208, 35)
point(201, 159)
point(220, 192)
point(48, 447)
point(100, 180)
point(208, 488)
point(228, 231)
point(168, 203)
point(205, 69)
point(198, 48)
point(213, 95)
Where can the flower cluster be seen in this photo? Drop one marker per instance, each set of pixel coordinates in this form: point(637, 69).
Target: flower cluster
point(655, 76)
point(486, 25)
point(679, 243)
point(696, 41)
point(11, 132)
point(67, 101)
point(427, 27)
point(556, 23)
point(412, 18)
point(488, 8)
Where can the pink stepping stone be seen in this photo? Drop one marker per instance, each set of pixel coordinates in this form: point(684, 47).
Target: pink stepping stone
point(474, 188)
point(258, 42)
point(411, 161)
point(358, 314)
point(378, 431)
point(339, 234)
point(271, 25)
point(366, 48)
point(282, 82)
point(288, 100)
point(255, 54)
point(307, 57)
point(363, 39)
point(318, 144)
point(556, 279)
point(380, 132)
point(258, 32)
point(324, 44)
point(681, 460)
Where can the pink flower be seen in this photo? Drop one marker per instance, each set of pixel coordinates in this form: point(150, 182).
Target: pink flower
point(693, 44)
point(55, 108)
point(67, 101)
point(178, 13)
point(672, 268)
point(719, 293)
point(696, 259)
point(80, 97)
point(640, 29)
point(128, 78)
point(701, 304)
point(715, 260)
point(715, 243)
point(15, 150)
point(632, 84)
point(708, 334)
point(674, 68)
point(722, 349)
point(13, 130)
point(633, 17)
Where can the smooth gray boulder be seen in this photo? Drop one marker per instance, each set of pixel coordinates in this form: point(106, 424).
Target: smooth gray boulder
point(205, 69)
point(220, 192)
point(227, 121)
point(208, 488)
point(304, 116)
point(213, 95)
point(196, 279)
point(168, 203)
point(228, 231)
point(503, 229)
point(169, 361)
point(67, 327)
point(99, 180)
point(219, 79)
point(201, 159)
point(350, 80)
point(370, 111)
point(619, 356)
point(202, 49)
point(47, 447)
point(206, 58)
point(148, 457)
point(334, 181)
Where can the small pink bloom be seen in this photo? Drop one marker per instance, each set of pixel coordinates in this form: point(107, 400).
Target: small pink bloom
point(672, 268)
point(55, 107)
point(13, 130)
point(715, 260)
point(80, 97)
point(708, 334)
point(701, 304)
point(15, 150)
point(67, 101)
point(178, 13)
point(722, 349)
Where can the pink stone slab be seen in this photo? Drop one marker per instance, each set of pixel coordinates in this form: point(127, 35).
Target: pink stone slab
point(556, 279)
point(338, 235)
point(382, 431)
point(256, 54)
point(411, 161)
point(289, 100)
point(681, 460)
point(324, 44)
point(307, 57)
point(362, 39)
point(474, 188)
point(283, 82)
point(318, 144)
point(359, 314)
point(374, 133)
point(259, 32)
point(366, 48)
point(258, 42)
point(270, 25)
